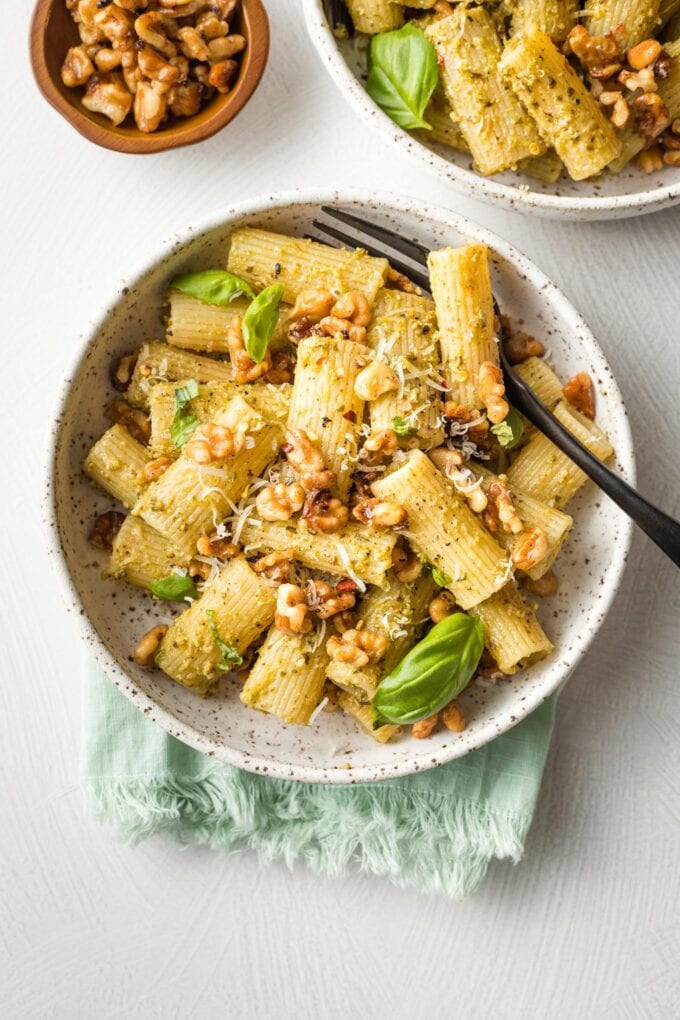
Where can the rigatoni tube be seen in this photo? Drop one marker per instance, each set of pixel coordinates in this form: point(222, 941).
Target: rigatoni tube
point(567, 115)
point(442, 527)
point(239, 604)
point(288, 677)
point(461, 287)
point(493, 122)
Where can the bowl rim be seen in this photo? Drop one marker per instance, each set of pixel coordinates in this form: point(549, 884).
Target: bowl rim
point(187, 132)
point(468, 181)
point(222, 218)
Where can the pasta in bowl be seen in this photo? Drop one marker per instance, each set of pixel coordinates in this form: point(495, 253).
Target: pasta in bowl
point(559, 108)
point(314, 496)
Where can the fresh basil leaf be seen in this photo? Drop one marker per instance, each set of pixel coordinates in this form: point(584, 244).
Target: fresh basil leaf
point(259, 321)
point(403, 427)
point(509, 431)
point(434, 672)
point(230, 656)
point(214, 286)
point(440, 578)
point(403, 74)
point(184, 421)
point(174, 587)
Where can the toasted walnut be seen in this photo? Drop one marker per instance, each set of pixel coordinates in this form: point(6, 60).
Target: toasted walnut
point(108, 59)
point(441, 606)
point(280, 502)
point(211, 26)
point(77, 68)
point(651, 115)
point(642, 81)
point(326, 601)
point(212, 442)
point(353, 305)
point(442, 9)
point(374, 380)
point(450, 463)
point(212, 545)
point(153, 28)
point(108, 95)
point(222, 75)
point(197, 569)
point(543, 586)
point(226, 47)
point(407, 565)
point(500, 511)
point(302, 452)
point(331, 325)
point(671, 158)
point(323, 514)
point(380, 513)
point(283, 368)
point(422, 729)
point(184, 100)
point(529, 549)
point(357, 647)
point(601, 55)
point(457, 423)
point(116, 24)
point(312, 305)
point(155, 67)
point(378, 446)
point(291, 610)
point(650, 160)
point(134, 420)
point(644, 54)
point(453, 717)
point(519, 346)
point(663, 65)
point(245, 369)
point(491, 390)
point(192, 43)
point(105, 529)
point(150, 106)
point(147, 647)
point(121, 371)
point(580, 393)
point(397, 281)
point(344, 621)
point(620, 113)
point(152, 471)
point(275, 565)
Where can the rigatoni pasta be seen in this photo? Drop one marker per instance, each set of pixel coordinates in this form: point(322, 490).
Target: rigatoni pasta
point(351, 515)
point(494, 124)
point(536, 87)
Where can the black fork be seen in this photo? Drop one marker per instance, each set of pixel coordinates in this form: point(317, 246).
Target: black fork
point(657, 525)
point(338, 16)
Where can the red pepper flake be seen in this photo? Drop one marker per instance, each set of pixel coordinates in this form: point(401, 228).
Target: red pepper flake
point(347, 584)
point(350, 416)
point(287, 448)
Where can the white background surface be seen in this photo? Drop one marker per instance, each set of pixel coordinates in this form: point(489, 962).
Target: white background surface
point(587, 925)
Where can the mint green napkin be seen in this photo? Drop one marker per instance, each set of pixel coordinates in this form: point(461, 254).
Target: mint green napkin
point(436, 831)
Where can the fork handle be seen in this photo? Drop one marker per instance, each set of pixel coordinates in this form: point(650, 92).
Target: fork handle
point(657, 525)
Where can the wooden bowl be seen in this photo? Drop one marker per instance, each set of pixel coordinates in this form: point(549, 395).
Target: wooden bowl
point(53, 32)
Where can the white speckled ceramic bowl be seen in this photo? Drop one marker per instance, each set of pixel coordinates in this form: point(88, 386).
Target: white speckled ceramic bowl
point(630, 193)
point(112, 616)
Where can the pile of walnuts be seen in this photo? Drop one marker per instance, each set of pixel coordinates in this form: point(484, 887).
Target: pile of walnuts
point(152, 58)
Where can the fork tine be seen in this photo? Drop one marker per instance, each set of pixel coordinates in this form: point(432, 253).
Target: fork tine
point(411, 249)
point(413, 274)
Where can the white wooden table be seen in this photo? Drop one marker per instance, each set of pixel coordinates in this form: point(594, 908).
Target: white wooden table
point(587, 926)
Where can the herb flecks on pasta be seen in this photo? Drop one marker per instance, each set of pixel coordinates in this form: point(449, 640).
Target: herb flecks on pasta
point(354, 531)
point(541, 87)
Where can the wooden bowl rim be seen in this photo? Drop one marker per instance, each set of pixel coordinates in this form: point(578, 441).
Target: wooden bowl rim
point(256, 30)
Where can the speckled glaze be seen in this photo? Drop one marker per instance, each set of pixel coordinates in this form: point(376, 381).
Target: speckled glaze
point(630, 193)
point(111, 616)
